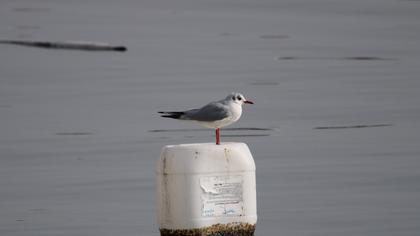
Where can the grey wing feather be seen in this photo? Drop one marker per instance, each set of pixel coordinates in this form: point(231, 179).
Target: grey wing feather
point(210, 112)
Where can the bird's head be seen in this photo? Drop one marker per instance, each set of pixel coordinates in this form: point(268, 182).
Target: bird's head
point(238, 98)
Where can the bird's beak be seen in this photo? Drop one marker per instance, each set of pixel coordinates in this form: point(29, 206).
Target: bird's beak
point(248, 102)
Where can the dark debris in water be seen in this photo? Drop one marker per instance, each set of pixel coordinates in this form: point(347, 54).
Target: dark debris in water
point(353, 126)
point(73, 133)
point(175, 130)
point(274, 36)
point(249, 128)
point(353, 58)
point(194, 130)
point(265, 83)
point(71, 45)
point(288, 58)
point(245, 135)
point(367, 58)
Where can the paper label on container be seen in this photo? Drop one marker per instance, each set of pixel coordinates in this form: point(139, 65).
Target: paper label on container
point(221, 195)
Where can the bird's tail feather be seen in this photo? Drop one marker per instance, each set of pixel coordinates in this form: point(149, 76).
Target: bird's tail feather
point(172, 114)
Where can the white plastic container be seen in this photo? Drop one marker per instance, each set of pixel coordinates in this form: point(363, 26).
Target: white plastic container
point(203, 185)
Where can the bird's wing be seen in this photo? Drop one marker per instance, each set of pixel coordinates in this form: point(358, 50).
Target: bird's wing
point(210, 112)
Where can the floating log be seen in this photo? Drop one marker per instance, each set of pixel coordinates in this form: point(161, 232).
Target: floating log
point(75, 45)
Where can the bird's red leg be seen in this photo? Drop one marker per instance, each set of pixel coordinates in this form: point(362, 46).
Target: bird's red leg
point(217, 136)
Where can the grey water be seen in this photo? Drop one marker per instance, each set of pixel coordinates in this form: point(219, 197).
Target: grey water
point(334, 129)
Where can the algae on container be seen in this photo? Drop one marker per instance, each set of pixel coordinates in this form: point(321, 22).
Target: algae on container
point(206, 189)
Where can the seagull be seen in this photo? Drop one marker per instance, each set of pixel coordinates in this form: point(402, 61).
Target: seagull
point(214, 115)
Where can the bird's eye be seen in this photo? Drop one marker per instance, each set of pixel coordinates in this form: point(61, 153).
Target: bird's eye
point(239, 98)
